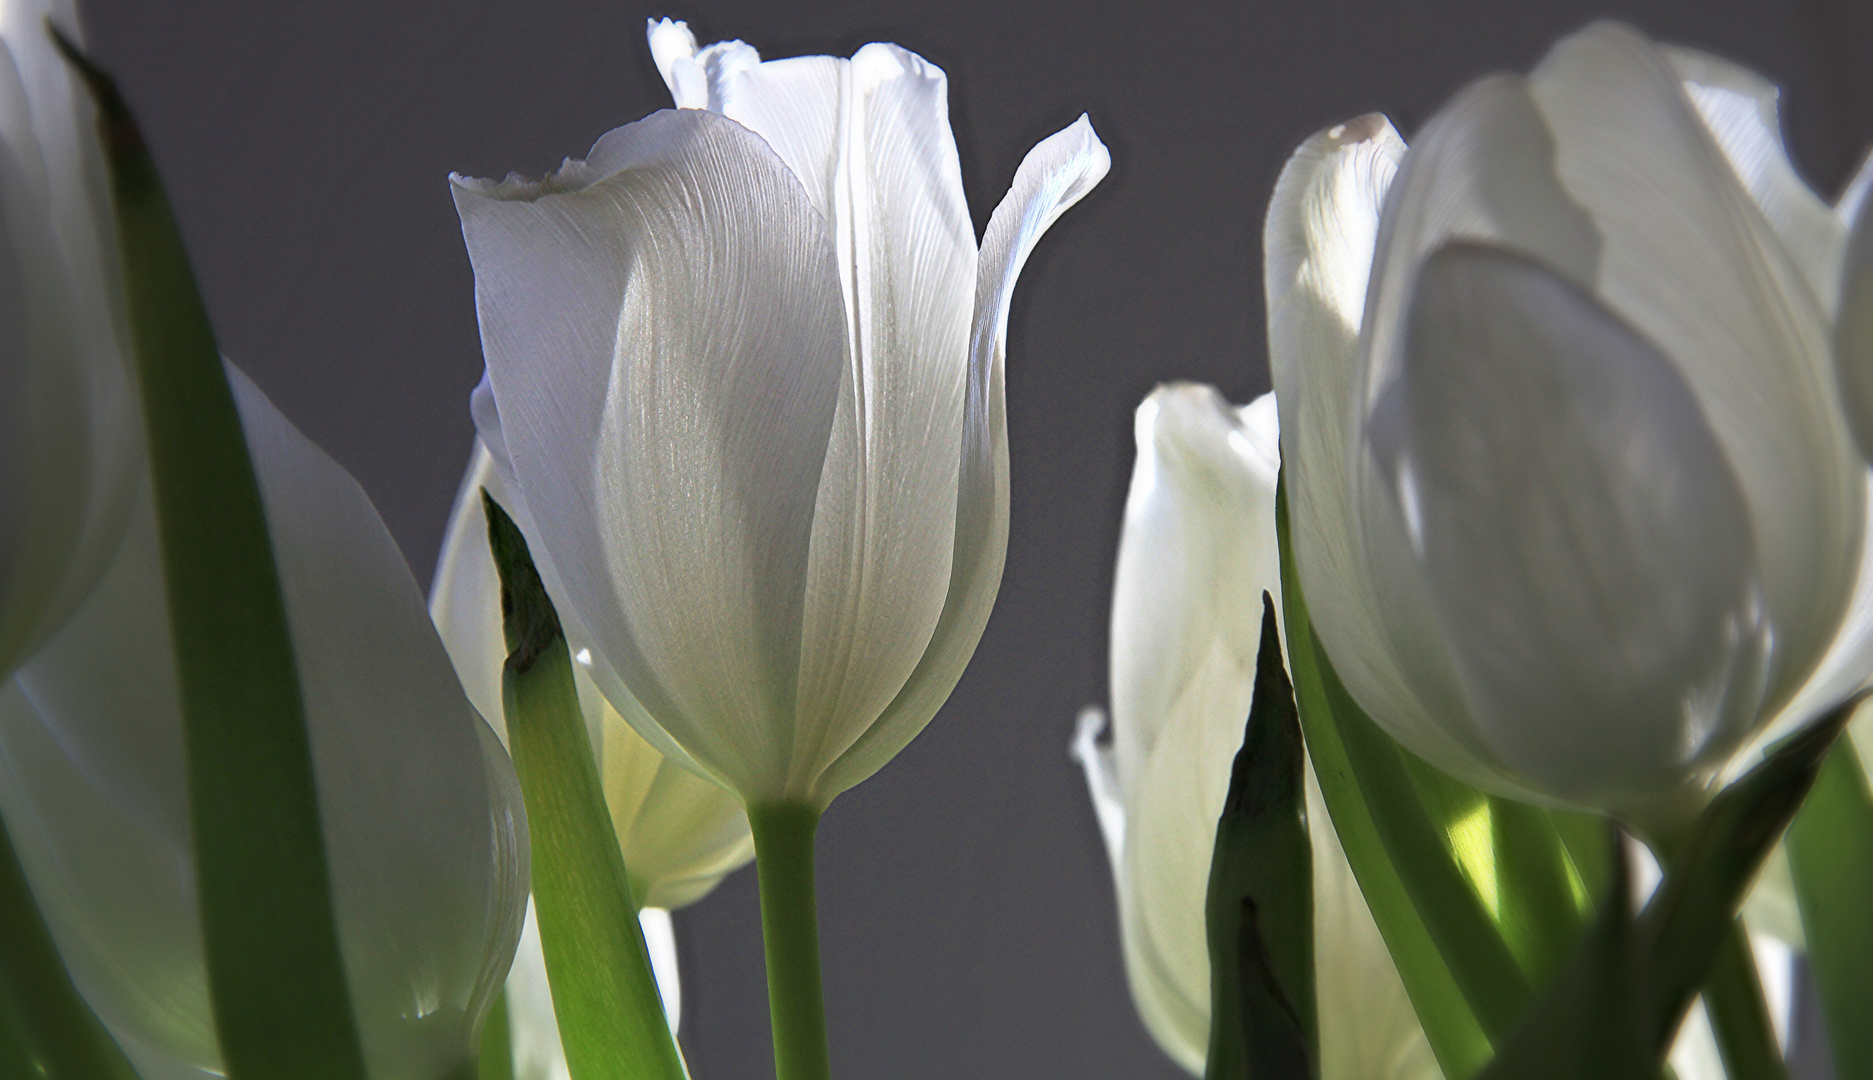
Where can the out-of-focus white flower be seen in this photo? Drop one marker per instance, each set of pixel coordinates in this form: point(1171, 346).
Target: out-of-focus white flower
point(745, 385)
point(1197, 551)
point(69, 433)
point(1575, 501)
point(424, 833)
point(680, 834)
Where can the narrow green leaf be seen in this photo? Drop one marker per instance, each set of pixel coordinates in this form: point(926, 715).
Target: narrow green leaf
point(46, 1029)
point(497, 1043)
point(1450, 1024)
point(276, 977)
point(1590, 1020)
point(1695, 906)
point(611, 1019)
point(1464, 931)
point(1260, 907)
point(1739, 1011)
point(1618, 1003)
point(1830, 850)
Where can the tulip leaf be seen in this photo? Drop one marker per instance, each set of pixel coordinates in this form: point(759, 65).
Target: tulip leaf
point(46, 1029)
point(1451, 1025)
point(1260, 907)
point(1588, 1021)
point(611, 1018)
point(1619, 1001)
point(1830, 850)
point(1479, 898)
point(276, 976)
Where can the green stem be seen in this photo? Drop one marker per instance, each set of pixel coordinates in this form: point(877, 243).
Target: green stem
point(1738, 1014)
point(783, 858)
point(497, 1044)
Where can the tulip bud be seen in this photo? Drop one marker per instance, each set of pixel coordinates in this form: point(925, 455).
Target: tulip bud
point(1575, 501)
point(69, 443)
point(423, 829)
point(1197, 551)
point(745, 362)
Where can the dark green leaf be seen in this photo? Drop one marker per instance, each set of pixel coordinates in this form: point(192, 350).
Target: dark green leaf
point(1830, 850)
point(276, 977)
point(46, 1029)
point(611, 1019)
point(1260, 908)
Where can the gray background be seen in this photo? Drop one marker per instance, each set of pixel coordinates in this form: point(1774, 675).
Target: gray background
point(969, 927)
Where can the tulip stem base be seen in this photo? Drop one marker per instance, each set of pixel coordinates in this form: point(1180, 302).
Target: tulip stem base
point(1739, 1016)
point(783, 859)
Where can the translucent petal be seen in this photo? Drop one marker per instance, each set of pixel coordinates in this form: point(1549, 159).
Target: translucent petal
point(1690, 262)
point(1739, 108)
point(1196, 551)
point(1587, 546)
point(680, 834)
point(884, 527)
point(1057, 173)
point(69, 448)
point(664, 334)
point(421, 813)
point(1319, 242)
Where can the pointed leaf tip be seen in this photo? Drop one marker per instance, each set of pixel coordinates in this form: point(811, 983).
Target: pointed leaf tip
point(1260, 907)
point(527, 615)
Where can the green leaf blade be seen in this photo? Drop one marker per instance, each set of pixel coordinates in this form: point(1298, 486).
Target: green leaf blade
point(1260, 907)
point(276, 975)
point(1455, 1034)
point(611, 1019)
point(1830, 848)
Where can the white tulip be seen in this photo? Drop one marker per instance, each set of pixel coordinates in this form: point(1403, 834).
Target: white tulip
point(745, 364)
point(680, 834)
point(1575, 501)
point(69, 432)
point(1197, 551)
point(424, 834)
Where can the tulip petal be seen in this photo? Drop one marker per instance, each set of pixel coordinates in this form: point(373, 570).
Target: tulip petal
point(1692, 264)
point(1057, 173)
point(1739, 108)
point(421, 812)
point(69, 450)
point(681, 834)
point(1196, 552)
point(1584, 538)
point(663, 331)
point(1368, 1028)
point(1322, 228)
point(1847, 665)
point(1853, 332)
point(884, 527)
point(1102, 781)
point(1169, 835)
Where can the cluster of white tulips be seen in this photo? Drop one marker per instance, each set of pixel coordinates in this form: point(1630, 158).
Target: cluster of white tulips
point(1460, 700)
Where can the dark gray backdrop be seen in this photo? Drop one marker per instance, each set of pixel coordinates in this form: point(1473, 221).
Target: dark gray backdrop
point(968, 920)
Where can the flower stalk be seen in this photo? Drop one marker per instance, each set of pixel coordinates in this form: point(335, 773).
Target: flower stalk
point(1739, 1016)
point(783, 858)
